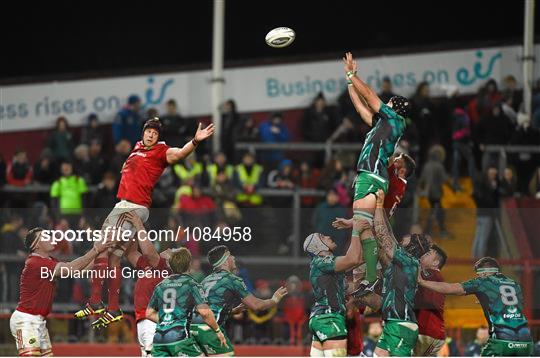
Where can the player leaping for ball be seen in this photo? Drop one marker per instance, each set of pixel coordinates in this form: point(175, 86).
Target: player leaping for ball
point(140, 172)
point(388, 124)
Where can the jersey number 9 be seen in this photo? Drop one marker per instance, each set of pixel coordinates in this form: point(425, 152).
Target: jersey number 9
point(169, 300)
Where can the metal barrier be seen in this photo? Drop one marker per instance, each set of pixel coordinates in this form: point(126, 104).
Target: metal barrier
point(503, 150)
point(327, 147)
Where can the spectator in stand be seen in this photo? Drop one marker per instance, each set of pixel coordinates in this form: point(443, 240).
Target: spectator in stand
point(219, 165)
point(248, 177)
point(45, 170)
point(318, 122)
point(152, 112)
point(177, 130)
point(230, 120)
point(19, 171)
point(262, 320)
point(325, 213)
point(374, 331)
point(461, 145)
point(61, 141)
point(524, 162)
point(534, 184)
point(224, 194)
point(431, 184)
point(92, 130)
point(163, 195)
point(282, 177)
point(128, 122)
point(386, 90)
point(81, 162)
point(495, 129)
point(122, 150)
point(247, 131)
point(307, 178)
point(97, 163)
point(105, 197)
point(12, 243)
point(273, 130)
point(486, 195)
point(67, 192)
point(189, 171)
point(331, 173)
point(508, 109)
point(423, 116)
point(510, 86)
point(508, 183)
point(474, 348)
point(197, 209)
point(347, 132)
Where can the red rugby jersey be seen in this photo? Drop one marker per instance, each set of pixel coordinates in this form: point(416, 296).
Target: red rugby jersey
point(141, 171)
point(144, 287)
point(396, 190)
point(36, 288)
point(430, 308)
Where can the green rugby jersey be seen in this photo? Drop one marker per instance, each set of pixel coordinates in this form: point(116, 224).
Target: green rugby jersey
point(223, 291)
point(400, 281)
point(328, 286)
point(174, 299)
point(501, 299)
point(380, 142)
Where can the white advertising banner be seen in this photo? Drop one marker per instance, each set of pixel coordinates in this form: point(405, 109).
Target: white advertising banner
point(257, 88)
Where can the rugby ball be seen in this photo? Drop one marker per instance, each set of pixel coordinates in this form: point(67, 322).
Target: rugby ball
point(280, 37)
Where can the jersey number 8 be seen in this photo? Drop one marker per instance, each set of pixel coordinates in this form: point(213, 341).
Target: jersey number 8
point(508, 295)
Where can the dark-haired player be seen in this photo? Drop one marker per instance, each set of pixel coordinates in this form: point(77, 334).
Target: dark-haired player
point(429, 306)
point(37, 289)
point(388, 125)
point(226, 294)
point(501, 299)
point(140, 172)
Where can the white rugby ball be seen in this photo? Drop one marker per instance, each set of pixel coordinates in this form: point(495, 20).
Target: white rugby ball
point(280, 37)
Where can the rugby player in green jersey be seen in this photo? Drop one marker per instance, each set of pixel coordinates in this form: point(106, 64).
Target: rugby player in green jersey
point(227, 295)
point(387, 122)
point(171, 307)
point(501, 299)
point(327, 319)
point(400, 263)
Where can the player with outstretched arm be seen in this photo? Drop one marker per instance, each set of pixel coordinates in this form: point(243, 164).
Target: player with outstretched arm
point(501, 299)
point(140, 172)
point(37, 290)
point(388, 125)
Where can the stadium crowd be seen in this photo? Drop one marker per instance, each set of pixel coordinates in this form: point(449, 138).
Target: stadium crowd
point(447, 136)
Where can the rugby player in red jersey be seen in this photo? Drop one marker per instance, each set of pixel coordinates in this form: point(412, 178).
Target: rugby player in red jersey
point(140, 172)
point(429, 306)
point(37, 289)
point(401, 167)
point(156, 267)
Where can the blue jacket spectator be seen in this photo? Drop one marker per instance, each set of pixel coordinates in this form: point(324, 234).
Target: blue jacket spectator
point(128, 122)
point(273, 131)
